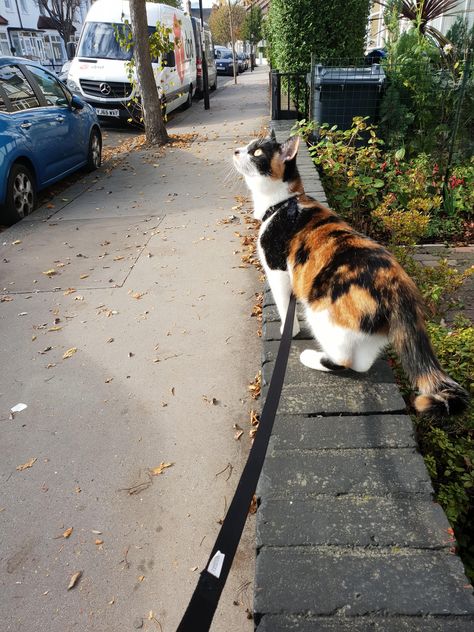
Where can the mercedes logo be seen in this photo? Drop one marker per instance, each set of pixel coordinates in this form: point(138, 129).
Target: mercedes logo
point(105, 89)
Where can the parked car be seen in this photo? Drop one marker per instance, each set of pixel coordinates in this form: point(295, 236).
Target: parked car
point(46, 133)
point(201, 35)
point(243, 63)
point(225, 61)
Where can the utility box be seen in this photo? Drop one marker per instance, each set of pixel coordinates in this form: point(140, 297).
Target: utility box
point(339, 94)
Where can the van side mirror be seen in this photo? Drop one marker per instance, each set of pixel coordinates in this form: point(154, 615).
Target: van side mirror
point(71, 50)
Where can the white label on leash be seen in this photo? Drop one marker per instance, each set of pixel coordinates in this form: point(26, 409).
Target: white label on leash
point(215, 565)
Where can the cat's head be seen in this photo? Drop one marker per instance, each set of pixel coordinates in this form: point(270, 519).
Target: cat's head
point(265, 158)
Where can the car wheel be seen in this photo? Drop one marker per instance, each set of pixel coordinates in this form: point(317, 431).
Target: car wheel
point(214, 85)
point(94, 156)
point(21, 194)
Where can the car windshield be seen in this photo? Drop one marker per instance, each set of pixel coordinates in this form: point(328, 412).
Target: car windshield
point(226, 55)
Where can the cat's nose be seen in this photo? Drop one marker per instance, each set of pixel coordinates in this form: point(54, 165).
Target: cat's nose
point(236, 152)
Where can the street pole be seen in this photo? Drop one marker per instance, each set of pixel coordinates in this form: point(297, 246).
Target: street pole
point(233, 43)
point(205, 77)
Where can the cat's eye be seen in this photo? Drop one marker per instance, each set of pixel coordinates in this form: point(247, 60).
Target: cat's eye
point(258, 152)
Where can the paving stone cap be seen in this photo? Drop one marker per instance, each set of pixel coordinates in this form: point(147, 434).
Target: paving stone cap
point(277, 623)
point(356, 583)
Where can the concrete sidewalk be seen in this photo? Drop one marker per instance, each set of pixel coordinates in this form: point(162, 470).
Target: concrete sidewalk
point(134, 278)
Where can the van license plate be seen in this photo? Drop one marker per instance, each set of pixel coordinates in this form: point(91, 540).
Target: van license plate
point(103, 112)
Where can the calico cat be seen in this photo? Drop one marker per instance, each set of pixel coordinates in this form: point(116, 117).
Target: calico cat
point(357, 297)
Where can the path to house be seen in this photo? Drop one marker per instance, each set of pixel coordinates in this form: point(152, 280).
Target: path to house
point(126, 328)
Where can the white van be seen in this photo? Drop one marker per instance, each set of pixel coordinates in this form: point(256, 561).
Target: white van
point(98, 71)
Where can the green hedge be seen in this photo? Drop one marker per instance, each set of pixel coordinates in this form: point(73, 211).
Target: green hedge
point(295, 28)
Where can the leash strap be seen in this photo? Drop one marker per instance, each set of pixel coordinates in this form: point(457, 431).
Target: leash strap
point(200, 611)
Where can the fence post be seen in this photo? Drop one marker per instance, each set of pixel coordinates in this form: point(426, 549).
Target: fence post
point(276, 95)
point(462, 91)
point(309, 114)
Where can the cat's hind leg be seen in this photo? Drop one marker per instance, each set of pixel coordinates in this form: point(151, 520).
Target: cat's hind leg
point(280, 285)
point(337, 343)
point(366, 351)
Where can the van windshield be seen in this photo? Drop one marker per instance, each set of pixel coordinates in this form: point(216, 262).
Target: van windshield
point(99, 40)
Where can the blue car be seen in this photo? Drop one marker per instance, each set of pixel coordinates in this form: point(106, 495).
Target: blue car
point(46, 133)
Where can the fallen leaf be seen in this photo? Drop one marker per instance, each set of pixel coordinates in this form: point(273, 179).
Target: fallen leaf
point(74, 579)
point(50, 273)
point(70, 290)
point(83, 276)
point(253, 505)
point(141, 578)
point(138, 295)
point(6, 299)
point(16, 242)
point(110, 340)
point(55, 328)
point(155, 471)
point(68, 532)
point(26, 465)
point(99, 542)
point(210, 400)
point(70, 352)
point(96, 532)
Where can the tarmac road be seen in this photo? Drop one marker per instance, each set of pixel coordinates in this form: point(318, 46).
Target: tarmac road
point(126, 330)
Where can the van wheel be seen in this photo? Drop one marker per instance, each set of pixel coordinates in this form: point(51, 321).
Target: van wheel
point(189, 101)
point(21, 194)
point(214, 85)
point(94, 155)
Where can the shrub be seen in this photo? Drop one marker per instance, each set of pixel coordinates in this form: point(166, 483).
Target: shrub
point(382, 193)
point(296, 28)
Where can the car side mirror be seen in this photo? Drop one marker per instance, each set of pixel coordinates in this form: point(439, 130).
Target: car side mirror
point(76, 103)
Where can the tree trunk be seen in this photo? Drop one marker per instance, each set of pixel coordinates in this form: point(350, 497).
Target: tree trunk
point(155, 129)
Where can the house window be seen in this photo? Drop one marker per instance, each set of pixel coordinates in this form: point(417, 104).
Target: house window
point(24, 6)
point(8, 5)
point(4, 45)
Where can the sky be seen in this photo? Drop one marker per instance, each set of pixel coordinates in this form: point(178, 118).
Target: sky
point(206, 4)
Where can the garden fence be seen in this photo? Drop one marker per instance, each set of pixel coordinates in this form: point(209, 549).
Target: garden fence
point(436, 117)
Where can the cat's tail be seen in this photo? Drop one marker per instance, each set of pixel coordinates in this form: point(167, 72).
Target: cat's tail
point(439, 394)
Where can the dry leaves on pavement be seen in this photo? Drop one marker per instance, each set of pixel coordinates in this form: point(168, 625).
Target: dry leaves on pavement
point(26, 465)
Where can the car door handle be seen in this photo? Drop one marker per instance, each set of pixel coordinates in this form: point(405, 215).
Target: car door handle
point(60, 118)
point(25, 125)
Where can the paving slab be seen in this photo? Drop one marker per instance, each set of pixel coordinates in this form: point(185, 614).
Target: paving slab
point(277, 623)
point(371, 471)
point(356, 521)
point(296, 432)
point(399, 582)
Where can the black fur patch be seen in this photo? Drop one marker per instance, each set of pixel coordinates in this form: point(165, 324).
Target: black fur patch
point(332, 366)
point(302, 255)
point(280, 230)
point(373, 323)
point(363, 261)
point(263, 162)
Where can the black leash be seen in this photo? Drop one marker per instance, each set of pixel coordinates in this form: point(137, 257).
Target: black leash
point(200, 611)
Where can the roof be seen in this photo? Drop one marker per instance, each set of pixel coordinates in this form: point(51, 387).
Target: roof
point(3, 21)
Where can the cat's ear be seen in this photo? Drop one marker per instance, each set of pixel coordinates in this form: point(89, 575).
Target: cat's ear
point(289, 149)
point(272, 134)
